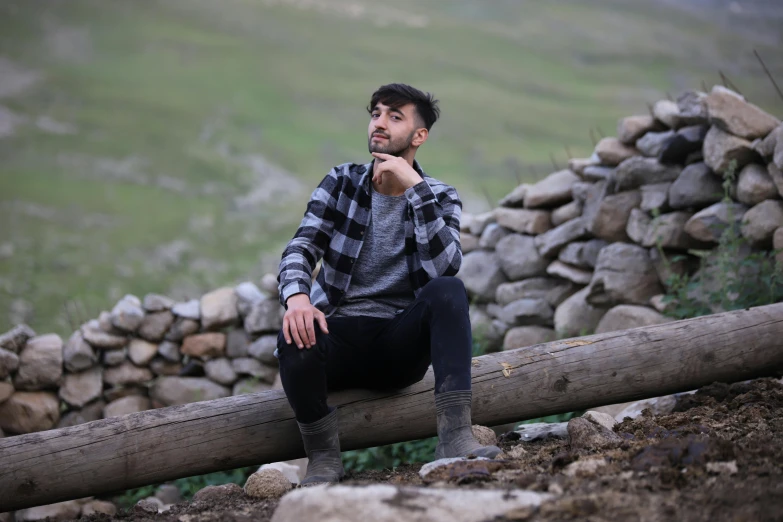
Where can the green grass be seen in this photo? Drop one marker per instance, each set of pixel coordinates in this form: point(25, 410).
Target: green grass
point(185, 90)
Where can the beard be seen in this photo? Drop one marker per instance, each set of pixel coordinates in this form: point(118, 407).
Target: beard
point(393, 147)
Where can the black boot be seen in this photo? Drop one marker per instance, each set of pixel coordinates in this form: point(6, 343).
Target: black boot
point(322, 445)
point(455, 436)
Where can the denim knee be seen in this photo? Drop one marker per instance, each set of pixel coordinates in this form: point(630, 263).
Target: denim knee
point(445, 291)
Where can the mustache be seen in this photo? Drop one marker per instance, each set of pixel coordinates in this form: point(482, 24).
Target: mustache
point(380, 134)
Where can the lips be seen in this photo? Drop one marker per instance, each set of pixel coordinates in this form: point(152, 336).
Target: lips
point(380, 136)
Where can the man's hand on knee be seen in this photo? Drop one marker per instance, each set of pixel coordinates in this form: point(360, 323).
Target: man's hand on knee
point(298, 321)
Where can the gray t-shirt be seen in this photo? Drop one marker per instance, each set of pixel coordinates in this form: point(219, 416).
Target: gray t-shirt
point(380, 284)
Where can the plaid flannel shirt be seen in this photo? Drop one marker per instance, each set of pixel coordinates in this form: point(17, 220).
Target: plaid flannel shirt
point(333, 228)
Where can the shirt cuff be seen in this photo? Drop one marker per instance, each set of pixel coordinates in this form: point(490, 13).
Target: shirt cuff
point(420, 194)
point(293, 288)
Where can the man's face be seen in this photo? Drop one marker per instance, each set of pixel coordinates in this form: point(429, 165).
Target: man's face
point(391, 130)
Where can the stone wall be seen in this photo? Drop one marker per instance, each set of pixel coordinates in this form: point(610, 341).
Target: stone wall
point(578, 252)
point(572, 254)
point(143, 354)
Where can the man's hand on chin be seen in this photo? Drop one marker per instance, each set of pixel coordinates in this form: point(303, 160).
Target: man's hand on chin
point(298, 321)
point(394, 166)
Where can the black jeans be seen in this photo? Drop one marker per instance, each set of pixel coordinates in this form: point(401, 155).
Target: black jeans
point(374, 353)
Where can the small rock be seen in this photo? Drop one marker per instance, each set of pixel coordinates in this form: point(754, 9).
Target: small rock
point(631, 128)
point(92, 333)
point(6, 390)
point(98, 507)
point(78, 355)
point(205, 345)
point(668, 231)
point(169, 494)
point(170, 351)
point(584, 467)
point(126, 406)
point(577, 275)
point(157, 303)
point(623, 317)
point(468, 242)
point(598, 173)
point(267, 483)
point(28, 412)
point(653, 143)
point(517, 452)
point(148, 506)
point(237, 343)
point(638, 225)
point(173, 391)
point(221, 371)
point(127, 314)
point(60, 511)
point(126, 373)
point(269, 285)
point(612, 151)
point(219, 308)
point(777, 244)
point(722, 150)
point(668, 113)
point(114, 357)
point(247, 295)
point(612, 215)
point(554, 291)
point(188, 310)
point(600, 418)
point(491, 235)
point(89, 413)
point(720, 468)
point(516, 198)
point(697, 186)
point(755, 185)
point(480, 222)
point(553, 190)
point(549, 243)
point(263, 349)
point(290, 471)
point(686, 143)
point(485, 436)
point(524, 221)
point(624, 274)
point(15, 338)
point(154, 326)
point(738, 117)
point(78, 389)
point(655, 197)
point(542, 431)
point(518, 257)
point(637, 171)
point(582, 254)
point(161, 366)
point(181, 329)
point(249, 366)
point(9, 363)
point(578, 165)
point(481, 273)
point(710, 223)
point(758, 224)
point(264, 317)
point(523, 336)
point(575, 316)
point(693, 107)
point(40, 363)
point(429, 467)
point(141, 352)
point(776, 176)
point(214, 494)
point(586, 435)
point(567, 212)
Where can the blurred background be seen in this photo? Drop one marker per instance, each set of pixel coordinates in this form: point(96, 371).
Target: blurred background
point(170, 146)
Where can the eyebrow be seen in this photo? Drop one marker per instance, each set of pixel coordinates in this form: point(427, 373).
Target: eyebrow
point(391, 109)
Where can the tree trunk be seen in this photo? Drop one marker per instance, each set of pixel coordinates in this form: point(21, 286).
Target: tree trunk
point(150, 447)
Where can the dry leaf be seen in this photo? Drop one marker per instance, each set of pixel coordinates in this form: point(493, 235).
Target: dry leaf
point(506, 372)
point(506, 365)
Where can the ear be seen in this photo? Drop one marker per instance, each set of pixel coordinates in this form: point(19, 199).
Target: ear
point(419, 137)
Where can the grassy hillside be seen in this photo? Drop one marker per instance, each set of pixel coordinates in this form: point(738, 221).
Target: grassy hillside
point(170, 146)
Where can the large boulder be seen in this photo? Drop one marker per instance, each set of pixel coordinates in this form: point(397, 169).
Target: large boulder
point(758, 224)
point(14, 339)
point(582, 254)
point(723, 150)
point(382, 503)
point(481, 273)
point(696, 187)
point(755, 185)
point(624, 274)
point(527, 312)
point(710, 223)
point(522, 336)
point(27, 412)
point(40, 363)
point(549, 243)
point(78, 355)
point(575, 316)
point(736, 116)
point(205, 346)
point(172, 391)
point(554, 291)
point(518, 257)
point(623, 317)
point(551, 191)
point(612, 215)
point(524, 221)
point(219, 308)
point(612, 151)
point(78, 389)
point(127, 314)
point(637, 171)
point(154, 326)
point(264, 317)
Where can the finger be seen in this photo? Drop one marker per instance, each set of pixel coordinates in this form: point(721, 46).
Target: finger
point(296, 328)
point(381, 155)
point(286, 335)
point(322, 322)
point(310, 330)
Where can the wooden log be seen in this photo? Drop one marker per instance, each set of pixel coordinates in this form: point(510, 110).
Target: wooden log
point(158, 445)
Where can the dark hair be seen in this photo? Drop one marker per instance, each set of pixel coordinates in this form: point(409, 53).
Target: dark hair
point(396, 95)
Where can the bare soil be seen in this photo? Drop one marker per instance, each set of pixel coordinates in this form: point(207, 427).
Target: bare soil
point(717, 457)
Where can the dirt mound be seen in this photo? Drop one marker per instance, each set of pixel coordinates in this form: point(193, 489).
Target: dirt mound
point(717, 457)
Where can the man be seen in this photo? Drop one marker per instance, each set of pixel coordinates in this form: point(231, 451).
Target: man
point(384, 304)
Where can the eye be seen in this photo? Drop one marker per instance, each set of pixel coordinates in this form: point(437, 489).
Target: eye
point(375, 114)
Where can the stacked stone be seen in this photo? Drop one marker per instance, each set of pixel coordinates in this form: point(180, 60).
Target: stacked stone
point(579, 251)
point(143, 354)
